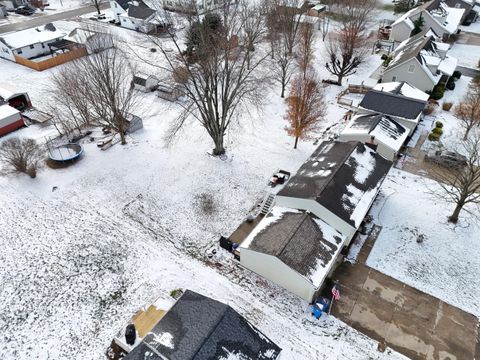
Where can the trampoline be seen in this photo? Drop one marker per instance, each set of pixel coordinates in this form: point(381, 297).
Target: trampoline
point(66, 152)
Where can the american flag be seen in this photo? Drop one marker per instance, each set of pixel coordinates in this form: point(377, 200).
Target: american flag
point(336, 292)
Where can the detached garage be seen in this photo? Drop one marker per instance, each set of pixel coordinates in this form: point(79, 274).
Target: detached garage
point(10, 119)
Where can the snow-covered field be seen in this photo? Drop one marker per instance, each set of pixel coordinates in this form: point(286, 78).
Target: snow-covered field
point(447, 263)
point(124, 226)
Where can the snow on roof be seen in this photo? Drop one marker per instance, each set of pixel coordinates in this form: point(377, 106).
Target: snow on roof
point(20, 39)
point(402, 88)
point(452, 19)
point(6, 111)
point(385, 129)
point(306, 19)
point(448, 65)
point(405, 17)
point(7, 91)
point(441, 45)
point(79, 35)
point(300, 240)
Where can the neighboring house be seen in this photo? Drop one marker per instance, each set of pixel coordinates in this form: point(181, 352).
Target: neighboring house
point(92, 40)
point(470, 15)
point(18, 100)
point(437, 16)
point(294, 249)
point(421, 61)
point(338, 184)
point(29, 43)
point(10, 119)
point(170, 92)
point(144, 82)
point(197, 328)
point(399, 100)
point(136, 15)
point(316, 215)
point(11, 5)
point(380, 132)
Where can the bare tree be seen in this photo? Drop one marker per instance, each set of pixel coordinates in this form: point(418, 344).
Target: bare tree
point(283, 66)
point(461, 185)
point(347, 47)
point(468, 111)
point(21, 155)
point(304, 53)
point(305, 106)
point(98, 88)
point(253, 21)
point(220, 83)
point(97, 4)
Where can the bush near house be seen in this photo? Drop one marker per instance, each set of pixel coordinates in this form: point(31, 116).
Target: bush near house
point(433, 137)
point(456, 75)
point(439, 124)
point(438, 131)
point(437, 92)
point(446, 106)
point(451, 83)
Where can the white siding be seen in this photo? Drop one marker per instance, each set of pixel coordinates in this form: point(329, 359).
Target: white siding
point(383, 149)
point(275, 270)
point(34, 50)
point(419, 78)
point(135, 24)
point(117, 10)
point(5, 52)
point(400, 31)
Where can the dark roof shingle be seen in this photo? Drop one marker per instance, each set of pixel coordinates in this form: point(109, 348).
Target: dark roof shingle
point(392, 104)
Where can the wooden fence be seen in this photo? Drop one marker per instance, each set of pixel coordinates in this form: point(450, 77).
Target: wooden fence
point(52, 62)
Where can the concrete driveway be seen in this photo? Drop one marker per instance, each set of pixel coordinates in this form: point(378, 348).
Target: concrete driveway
point(403, 318)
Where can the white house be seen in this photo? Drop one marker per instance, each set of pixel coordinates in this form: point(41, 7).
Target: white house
point(338, 184)
point(421, 61)
point(399, 100)
point(381, 132)
point(136, 15)
point(436, 14)
point(13, 4)
point(315, 216)
point(294, 249)
point(29, 43)
point(92, 40)
point(145, 82)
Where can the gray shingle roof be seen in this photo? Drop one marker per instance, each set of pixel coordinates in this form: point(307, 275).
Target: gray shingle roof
point(200, 328)
point(392, 104)
point(337, 176)
point(142, 11)
point(298, 241)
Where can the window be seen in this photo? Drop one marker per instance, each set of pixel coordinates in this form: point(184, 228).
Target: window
point(394, 78)
point(411, 68)
point(457, 6)
point(43, 45)
point(19, 52)
point(32, 46)
point(115, 4)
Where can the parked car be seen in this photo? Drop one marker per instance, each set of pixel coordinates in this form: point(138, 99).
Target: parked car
point(97, 17)
point(445, 158)
point(23, 10)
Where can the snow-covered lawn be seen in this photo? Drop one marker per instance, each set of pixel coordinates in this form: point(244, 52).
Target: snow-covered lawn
point(447, 263)
point(467, 55)
point(124, 227)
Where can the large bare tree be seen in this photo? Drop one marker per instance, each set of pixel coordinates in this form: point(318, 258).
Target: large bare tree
point(461, 185)
point(21, 155)
point(97, 89)
point(346, 47)
point(253, 25)
point(222, 79)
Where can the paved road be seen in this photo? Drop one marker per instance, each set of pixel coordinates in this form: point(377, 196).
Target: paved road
point(38, 20)
point(468, 71)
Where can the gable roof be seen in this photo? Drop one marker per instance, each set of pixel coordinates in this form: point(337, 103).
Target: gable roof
point(344, 177)
point(123, 3)
point(142, 11)
point(20, 39)
point(200, 328)
point(300, 240)
point(382, 127)
point(402, 88)
point(392, 103)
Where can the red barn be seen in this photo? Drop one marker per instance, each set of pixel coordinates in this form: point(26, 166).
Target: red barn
point(10, 119)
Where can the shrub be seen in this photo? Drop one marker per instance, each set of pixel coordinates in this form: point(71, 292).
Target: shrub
point(446, 106)
point(433, 137)
point(21, 155)
point(437, 92)
point(439, 124)
point(456, 74)
point(176, 293)
point(387, 60)
point(451, 84)
point(437, 131)
point(428, 110)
